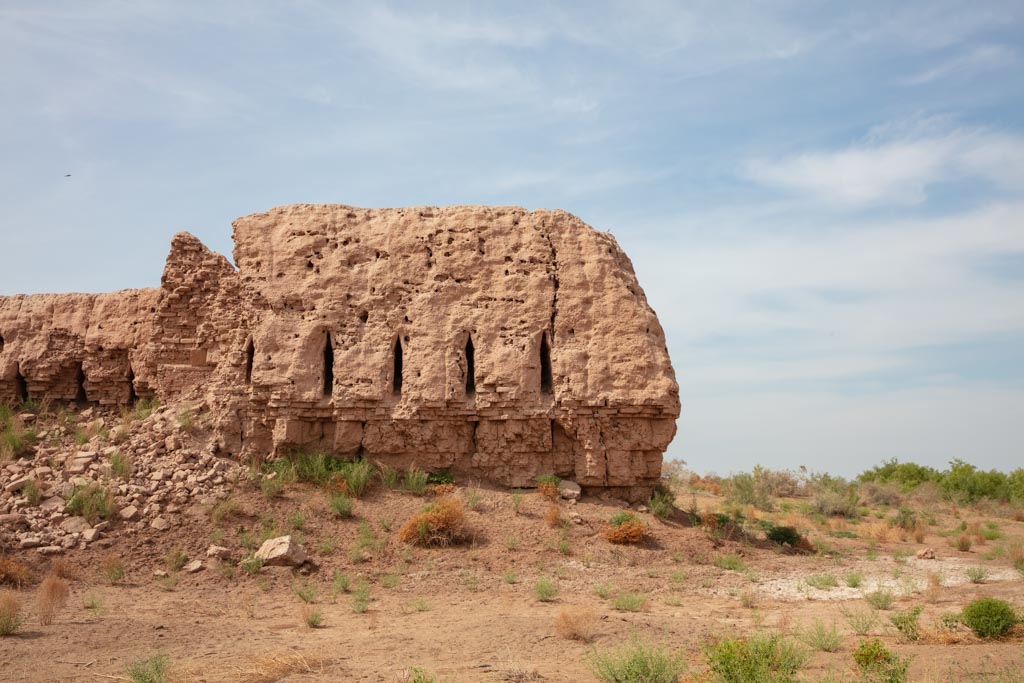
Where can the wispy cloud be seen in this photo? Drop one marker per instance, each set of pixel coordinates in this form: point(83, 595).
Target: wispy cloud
point(974, 60)
point(895, 171)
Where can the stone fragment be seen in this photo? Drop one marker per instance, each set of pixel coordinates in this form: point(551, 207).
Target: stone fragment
point(17, 484)
point(281, 552)
point(160, 524)
point(75, 525)
point(569, 490)
point(129, 514)
point(926, 554)
point(13, 520)
point(50, 550)
point(90, 535)
point(219, 552)
point(52, 504)
point(30, 542)
point(193, 566)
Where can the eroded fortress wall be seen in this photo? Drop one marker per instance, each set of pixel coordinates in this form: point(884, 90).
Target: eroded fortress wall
point(490, 341)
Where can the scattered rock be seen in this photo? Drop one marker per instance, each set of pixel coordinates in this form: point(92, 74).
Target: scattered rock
point(160, 524)
point(13, 520)
point(75, 525)
point(219, 552)
point(51, 550)
point(281, 552)
point(129, 514)
point(569, 490)
point(17, 484)
point(90, 535)
point(194, 566)
point(926, 554)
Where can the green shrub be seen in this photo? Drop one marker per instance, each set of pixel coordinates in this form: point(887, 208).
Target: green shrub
point(761, 658)
point(784, 535)
point(92, 501)
point(441, 477)
point(905, 519)
point(821, 637)
point(361, 597)
point(661, 504)
point(11, 617)
point(908, 623)
point(837, 503)
point(151, 670)
point(861, 622)
point(854, 579)
point(989, 617)
point(977, 574)
point(637, 663)
point(822, 582)
point(732, 563)
point(545, 590)
point(390, 476)
point(121, 465)
point(879, 665)
point(880, 599)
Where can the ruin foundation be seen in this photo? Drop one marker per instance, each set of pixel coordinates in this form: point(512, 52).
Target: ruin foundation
point(491, 342)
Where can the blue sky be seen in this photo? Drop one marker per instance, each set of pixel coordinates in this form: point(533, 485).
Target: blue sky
point(824, 201)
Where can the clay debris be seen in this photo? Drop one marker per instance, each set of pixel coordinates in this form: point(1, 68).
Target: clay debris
point(492, 342)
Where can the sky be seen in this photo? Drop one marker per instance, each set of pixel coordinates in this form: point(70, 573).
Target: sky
point(823, 201)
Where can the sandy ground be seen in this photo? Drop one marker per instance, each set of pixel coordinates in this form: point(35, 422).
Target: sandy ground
point(454, 611)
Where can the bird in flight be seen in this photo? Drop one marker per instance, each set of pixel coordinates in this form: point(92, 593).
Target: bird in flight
point(67, 175)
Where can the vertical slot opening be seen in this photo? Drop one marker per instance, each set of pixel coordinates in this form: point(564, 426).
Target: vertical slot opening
point(546, 382)
point(470, 367)
point(132, 396)
point(80, 395)
point(328, 387)
point(21, 385)
point(396, 371)
point(250, 355)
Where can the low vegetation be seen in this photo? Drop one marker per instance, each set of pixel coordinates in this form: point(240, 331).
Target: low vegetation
point(636, 662)
point(625, 527)
point(760, 658)
point(989, 617)
point(440, 524)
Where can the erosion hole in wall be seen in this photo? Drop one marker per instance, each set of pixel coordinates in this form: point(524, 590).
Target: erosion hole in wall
point(328, 388)
point(470, 367)
point(80, 395)
point(396, 371)
point(250, 356)
point(1, 343)
point(20, 385)
point(132, 396)
point(546, 382)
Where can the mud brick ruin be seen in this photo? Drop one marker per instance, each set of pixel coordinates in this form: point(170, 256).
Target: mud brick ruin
point(491, 342)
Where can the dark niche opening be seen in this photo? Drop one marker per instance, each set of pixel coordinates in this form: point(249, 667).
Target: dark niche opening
point(396, 371)
point(80, 395)
point(546, 383)
point(132, 396)
point(328, 366)
point(21, 386)
point(1, 343)
point(470, 367)
point(250, 355)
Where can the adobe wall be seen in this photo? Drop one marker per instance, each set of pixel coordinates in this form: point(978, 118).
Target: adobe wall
point(297, 348)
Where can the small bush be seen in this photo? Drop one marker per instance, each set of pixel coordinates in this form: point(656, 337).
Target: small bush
point(13, 573)
point(908, 623)
point(989, 617)
point(113, 569)
point(878, 664)
point(576, 624)
point(441, 524)
point(389, 476)
point(861, 622)
point(977, 574)
point(637, 663)
point(11, 618)
point(361, 597)
point(854, 579)
point(963, 543)
point(545, 590)
point(305, 591)
point(251, 565)
point(175, 559)
point(51, 596)
point(662, 504)
point(341, 505)
point(553, 516)
point(121, 465)
point(821, 637)
point(92, 501)
point(151, 670)
point(761, 657)
point(881, 599)
point(629, 602)
point(624, 527)
point(784, 535)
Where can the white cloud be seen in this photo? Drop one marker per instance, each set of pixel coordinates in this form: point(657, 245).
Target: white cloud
point(977, 59)
point(896, 171)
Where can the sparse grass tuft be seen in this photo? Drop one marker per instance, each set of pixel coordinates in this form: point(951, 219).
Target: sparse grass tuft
point(861, 621)
point(629, 602)
point(113, 569)
point(880, 599)
point(553, 516)
point(312, 617)
point(341, 505)
point(730, 562)
point(175, 559)
point(821, 637)
point(822, 582)
point(92, 501)
point(908, 623)
point(977, 574)
point(151, 670)
point(854, 579)
point(415, 481)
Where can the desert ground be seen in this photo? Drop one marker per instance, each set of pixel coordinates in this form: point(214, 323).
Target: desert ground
point(529, 589)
